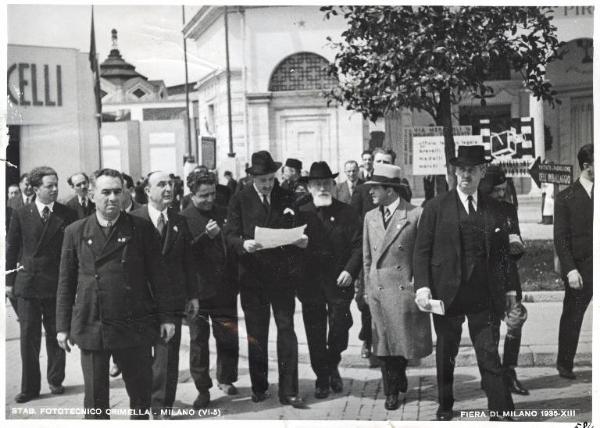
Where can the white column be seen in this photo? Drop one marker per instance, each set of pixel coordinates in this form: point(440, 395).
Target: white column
point(536, 112)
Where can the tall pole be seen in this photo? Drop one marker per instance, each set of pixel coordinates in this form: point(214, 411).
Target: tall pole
point(187, 92)
point(231, 153)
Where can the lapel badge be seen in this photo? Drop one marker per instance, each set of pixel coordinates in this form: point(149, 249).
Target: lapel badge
point(122, 239)
point(397, 226)
point(175, 229)
point(89, 242)
point(497, 230)
point(332, 219)
point(288, 211)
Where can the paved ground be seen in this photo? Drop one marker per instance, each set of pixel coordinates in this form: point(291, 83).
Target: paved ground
point(362, 398)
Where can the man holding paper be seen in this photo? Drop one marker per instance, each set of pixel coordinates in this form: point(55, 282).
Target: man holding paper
point(400, 331)
point(462, 258)
point(268, 277)
point(334, 258)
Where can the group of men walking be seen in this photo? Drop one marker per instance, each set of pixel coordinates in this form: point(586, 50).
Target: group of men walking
point(119, 283)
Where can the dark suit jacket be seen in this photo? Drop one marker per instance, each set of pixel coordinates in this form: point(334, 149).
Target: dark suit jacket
point(16, 203)
point(37, 248)
point(177, 254)
point(361, 200)
point(222, 197)
point(112, 290)
point(343, 192)
point(437, 256)
point(74, 204)
point(276, 266)
point(573, 237)
point(510, 213)
point(215, 269)
point(334, 245)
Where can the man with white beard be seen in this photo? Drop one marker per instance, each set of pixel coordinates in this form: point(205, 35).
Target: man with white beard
point(333, 260)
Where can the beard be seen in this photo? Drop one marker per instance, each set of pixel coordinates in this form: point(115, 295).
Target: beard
point(322, 199)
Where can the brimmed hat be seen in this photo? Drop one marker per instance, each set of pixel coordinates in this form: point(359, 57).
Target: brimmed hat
point(262, 163)
point(294, 163)
point(495, 175)
point(386, 175)
point(469, 156)
point(318, 171)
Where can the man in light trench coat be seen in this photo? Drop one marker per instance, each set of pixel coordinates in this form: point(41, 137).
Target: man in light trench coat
point(400, 330)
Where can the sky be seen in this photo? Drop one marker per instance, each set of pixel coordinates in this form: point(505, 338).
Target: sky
point(149, 36)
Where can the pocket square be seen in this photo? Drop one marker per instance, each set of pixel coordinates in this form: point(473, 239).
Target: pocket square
point(288, 211)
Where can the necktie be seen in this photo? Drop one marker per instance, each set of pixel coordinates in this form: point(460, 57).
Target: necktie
point(592, 193)
point(84, 203)
point(350, 188)
point(387, 214)
point(45, 214)
point(160, 225)
point(265, 203)
point(471, 206)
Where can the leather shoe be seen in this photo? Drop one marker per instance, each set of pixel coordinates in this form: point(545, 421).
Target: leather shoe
point(201, 400)
point(335, 380)
point(115, 370)
point(321, 392)
point(515, 386)
point(294, 401)
point(57, 389)
point(257, 397)
point(391, 402)
point(365, 351)
point(23, 397)
point(444, 415)
point(228, 388)
point(567, 374)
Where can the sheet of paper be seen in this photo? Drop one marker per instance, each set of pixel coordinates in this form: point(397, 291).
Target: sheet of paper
point(437, 307)
point(271, 238)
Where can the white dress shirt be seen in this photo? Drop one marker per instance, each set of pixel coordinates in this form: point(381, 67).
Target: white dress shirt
point(392, 207)
point(155, 214)
point(40, 206)
point(464, 199)
point(260, 195)
point(587, 185)
point(103, 222)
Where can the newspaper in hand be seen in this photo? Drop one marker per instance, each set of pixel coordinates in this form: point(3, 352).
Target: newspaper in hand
point(272, 238)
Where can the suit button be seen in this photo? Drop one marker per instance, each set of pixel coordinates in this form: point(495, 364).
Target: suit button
point(375, 248)
point(380, 288)
point(97, 276)
point(401, 288)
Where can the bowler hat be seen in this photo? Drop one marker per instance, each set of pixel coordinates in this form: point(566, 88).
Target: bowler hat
point(262, 163)
point(469, 156)
point(318, 171)
point(386, 175)
point(294, 163)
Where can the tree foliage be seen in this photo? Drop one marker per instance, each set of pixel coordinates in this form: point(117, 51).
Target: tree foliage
point(421, 57)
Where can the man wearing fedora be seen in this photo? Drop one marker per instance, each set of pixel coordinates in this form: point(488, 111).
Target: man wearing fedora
point(267, 277)
point(400, 330)
point(290, 173)
point(334, 258)
point(462, 258)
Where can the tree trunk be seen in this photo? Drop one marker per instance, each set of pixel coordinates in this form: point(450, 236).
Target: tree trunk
point(444, 119)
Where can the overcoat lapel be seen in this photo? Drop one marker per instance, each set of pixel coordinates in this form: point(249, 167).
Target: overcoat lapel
point(118, 238)
point(173, 229)
point(35, 222)
point(55, 221)
point(397, 223)
point(376, 234)
point(488, 218)
point(450, 207)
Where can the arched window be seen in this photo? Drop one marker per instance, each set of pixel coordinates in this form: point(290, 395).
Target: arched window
point(300, 72)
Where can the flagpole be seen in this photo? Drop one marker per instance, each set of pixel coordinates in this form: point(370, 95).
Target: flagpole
point(93, 58)
point(187, 95)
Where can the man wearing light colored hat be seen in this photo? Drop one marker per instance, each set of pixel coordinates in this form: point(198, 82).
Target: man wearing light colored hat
point(334, 258)
point(462, 258)
point(400, 330)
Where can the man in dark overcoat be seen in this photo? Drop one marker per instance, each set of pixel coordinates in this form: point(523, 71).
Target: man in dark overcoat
point(81, 203)
point(34, 240)
point(113, 298)
point(573, 240)
point(216, 271)
point(461, 258)
point(333, 260)
point(176, 249)
point(267, 277)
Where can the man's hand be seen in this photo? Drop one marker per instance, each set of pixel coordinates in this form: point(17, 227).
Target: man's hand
point(63, 339)
point(303, 243)
point(510, 300)
point(344, 280)
point(9, 292)
point(423, 296)
point(212, 229)
point(575, 280)
point(167, 331)
point(251, 246)
point(192, 308)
